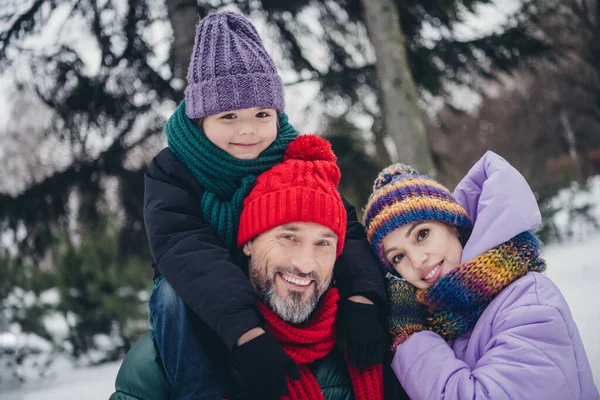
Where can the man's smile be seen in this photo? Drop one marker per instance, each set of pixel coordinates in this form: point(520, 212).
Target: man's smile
point(294, 282)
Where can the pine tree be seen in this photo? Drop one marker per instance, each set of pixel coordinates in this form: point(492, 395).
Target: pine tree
point(121, 101)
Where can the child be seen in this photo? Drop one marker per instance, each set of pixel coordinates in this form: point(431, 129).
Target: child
point(478, 321)
point(231, 128)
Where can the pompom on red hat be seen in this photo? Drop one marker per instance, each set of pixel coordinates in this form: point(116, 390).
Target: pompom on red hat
point(303, 188)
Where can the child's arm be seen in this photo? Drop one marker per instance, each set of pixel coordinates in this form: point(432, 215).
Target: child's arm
point(356, 270)
point(360, 282)
point(187, 252)
point(531, 353)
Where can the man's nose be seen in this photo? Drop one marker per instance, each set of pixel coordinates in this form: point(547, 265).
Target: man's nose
point(303, 259)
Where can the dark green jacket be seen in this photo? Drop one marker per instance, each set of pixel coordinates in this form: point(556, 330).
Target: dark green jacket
point(141, 376)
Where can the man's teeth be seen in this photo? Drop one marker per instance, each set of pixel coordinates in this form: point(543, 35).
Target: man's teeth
point(432, 273)
point(296, 281)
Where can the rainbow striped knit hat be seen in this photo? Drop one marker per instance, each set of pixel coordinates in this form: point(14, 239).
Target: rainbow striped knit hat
point(402, 196)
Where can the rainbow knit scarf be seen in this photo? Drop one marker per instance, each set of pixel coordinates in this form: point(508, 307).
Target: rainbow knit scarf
point(227, 180)
point(456, 301)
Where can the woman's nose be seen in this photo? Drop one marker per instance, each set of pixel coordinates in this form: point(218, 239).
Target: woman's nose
point(418, 259)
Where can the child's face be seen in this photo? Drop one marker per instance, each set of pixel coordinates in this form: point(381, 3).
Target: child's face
point(244, 134)
point(423, 252)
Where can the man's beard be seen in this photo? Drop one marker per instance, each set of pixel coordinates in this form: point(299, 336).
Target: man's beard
point(293, 308)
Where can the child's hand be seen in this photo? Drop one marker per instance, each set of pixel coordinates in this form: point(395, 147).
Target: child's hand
point(360, 332)
point(407, 315)
point(260, 367)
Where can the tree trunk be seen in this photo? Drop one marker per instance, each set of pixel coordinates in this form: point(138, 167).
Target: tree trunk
point(382, 155)
point(396, 86)
point(184, 17)
point(572, 143)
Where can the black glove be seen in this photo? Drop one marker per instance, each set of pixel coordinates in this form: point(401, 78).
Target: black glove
point(259, 368)
point(361, 333)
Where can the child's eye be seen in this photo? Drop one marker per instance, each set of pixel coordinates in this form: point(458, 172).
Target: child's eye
point(228, 116)
point(397, 258)
point(423, 233)
point(262, 114)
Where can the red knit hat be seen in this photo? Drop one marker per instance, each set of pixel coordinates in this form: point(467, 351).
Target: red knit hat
point(303, 188)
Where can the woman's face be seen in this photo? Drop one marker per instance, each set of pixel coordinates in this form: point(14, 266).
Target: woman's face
point(423, 252)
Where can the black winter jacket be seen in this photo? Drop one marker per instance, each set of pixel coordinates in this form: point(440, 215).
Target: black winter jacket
point(186, 250)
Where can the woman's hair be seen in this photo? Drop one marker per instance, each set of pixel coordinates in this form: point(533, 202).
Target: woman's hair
point(464, 234)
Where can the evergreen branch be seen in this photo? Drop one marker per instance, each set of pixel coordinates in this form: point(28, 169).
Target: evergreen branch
point(23, 23)
point(42, 203)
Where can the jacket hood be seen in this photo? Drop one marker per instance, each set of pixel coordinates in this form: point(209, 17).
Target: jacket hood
point(499, 201)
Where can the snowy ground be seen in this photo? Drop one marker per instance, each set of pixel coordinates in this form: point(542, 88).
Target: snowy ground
point(95, 383)
point(574, 267)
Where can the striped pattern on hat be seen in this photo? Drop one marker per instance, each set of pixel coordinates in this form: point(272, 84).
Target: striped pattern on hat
point(401, 196)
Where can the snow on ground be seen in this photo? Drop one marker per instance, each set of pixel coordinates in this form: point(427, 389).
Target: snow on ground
point(574, 267)
point(92, 383)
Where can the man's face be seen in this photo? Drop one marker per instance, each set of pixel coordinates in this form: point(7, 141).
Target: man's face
point(291, 266)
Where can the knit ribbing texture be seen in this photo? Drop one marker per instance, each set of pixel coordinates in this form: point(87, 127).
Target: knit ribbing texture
point(407, 315)
point(303, 188)
point(314, 340)
point(227, 180)
point(230, 69)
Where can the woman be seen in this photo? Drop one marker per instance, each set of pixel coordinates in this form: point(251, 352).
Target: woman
point(471, 314)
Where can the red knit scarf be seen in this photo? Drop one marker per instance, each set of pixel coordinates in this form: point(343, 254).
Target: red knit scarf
point(314, 340)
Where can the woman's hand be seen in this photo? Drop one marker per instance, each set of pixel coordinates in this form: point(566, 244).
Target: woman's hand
point(407, 315)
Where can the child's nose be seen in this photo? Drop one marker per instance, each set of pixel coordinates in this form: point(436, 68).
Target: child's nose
point(247, 129)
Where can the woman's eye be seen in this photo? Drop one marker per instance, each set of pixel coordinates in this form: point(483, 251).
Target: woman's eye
point(397, 258)
point(262, 114)
point(228, 116)
point(423, 233)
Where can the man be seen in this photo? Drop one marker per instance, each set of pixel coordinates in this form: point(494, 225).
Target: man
point(292, 229)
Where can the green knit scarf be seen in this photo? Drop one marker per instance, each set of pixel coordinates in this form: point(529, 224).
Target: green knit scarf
point(227, 180)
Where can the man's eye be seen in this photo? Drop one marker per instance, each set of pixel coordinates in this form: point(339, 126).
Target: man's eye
point(397, 258)
point(288, 237)
point(262, 114)
point(423, 233)
point(324, 243)
point(228, 116)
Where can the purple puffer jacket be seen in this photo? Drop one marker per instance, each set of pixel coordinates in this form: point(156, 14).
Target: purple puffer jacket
point(525, 344)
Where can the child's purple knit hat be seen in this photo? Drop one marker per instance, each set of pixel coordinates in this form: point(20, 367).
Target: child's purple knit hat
point(230, 69)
